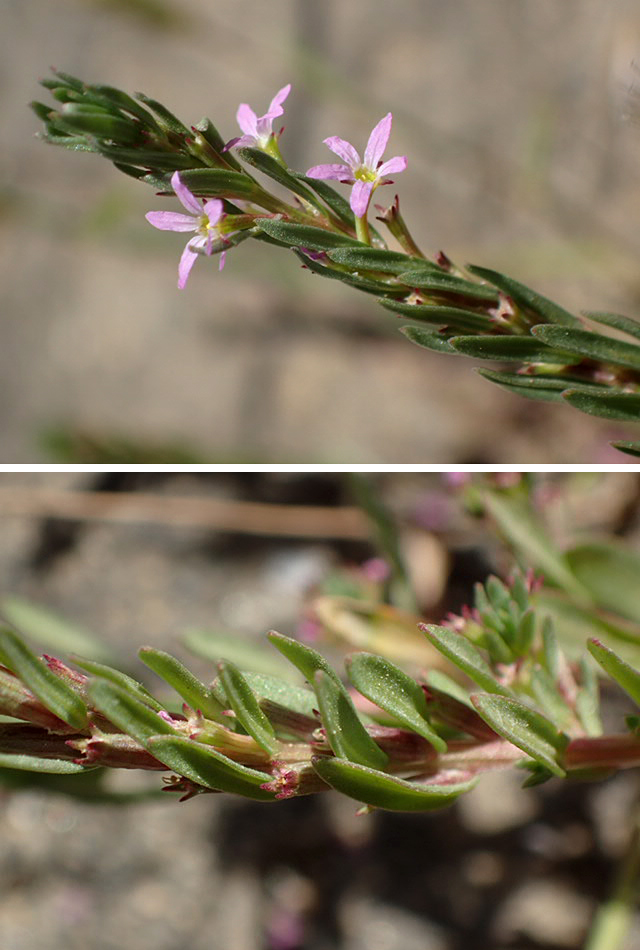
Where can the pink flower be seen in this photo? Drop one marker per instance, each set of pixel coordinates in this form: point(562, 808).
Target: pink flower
point(203, 218)
point(365, 176)
point(259, 130)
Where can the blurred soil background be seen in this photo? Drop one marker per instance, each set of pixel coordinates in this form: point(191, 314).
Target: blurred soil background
point(505, 868)
point(520, 159)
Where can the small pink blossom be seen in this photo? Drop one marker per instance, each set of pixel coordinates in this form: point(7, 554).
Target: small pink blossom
point(258, 130)
point(367, 175)
point(203, 218)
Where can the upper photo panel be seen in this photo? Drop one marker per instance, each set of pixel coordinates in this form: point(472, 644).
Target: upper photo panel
point(305, 233)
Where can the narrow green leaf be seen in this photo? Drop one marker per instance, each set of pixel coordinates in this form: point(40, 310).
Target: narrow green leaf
point(123, 680)
point(52, 691)
point(511, 349)
point(308, 660)
point(127, 712)
point(624, 407)
point(363, 284)
point(393, 690)
point(371, 258)
point(246, 708)
point(386, 791)
point(543, 388)
point(429, 340)
point(303, 235)
point(273, 169)
point(205, 766)
point(52, 630)
point(101, 125)
point(548, 697)
point(345, 732)
point(629, 448)
point(465, 656)
point(33, 763)
point(616, 320)
point(588, 699)
point(166, 118)
point(212, 182)
point(591, 345)
point(339, 205)
point(617, 668)
point(112, 97)
point(439, 283)
point(444, 683)
point(526, 298)
point(524, 727)
point(173, 672)
point(611, 573)
point(279, 691)
point(522, 526)
point(453, 317)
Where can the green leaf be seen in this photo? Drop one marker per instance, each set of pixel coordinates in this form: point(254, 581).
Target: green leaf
point(616, 320)
point(127, 712)
point(591, 345)
point(548, 697)
point(543, 388)
point(393, 690)
point(308, 660)
point(526, 728)
point(212, 182)
point(53, 631)
point(283, 693)
point(34, 763)
point(271, 167)
point(617, 668)
point(511, 349)
point(246, 708)
point(453, 317)
point(611, 573)
point(166, 118)
point(610, 405)
point(173, 672)
point(465, 656)
point(575, 624)
point(52, 691)
point(524, 530)
point(441, 282)
point(339, 205)
point(303, 235)
point(371, 258)
point(526, 298)
point(123, 680)
point(431, 341)
point(629, 448)
point(75, 119)
point(345, 732)
point(376, 287)
point(205, 766)
point(385, 791)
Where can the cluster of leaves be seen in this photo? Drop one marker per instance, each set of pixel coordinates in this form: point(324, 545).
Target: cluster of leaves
point(510, 698)
point(551, 354)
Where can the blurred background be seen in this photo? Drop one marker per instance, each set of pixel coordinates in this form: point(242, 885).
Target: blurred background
point(512, 116)
point(118, 864)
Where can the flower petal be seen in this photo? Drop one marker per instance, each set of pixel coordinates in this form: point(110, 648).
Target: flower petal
point(213, 210)
point(187, 261)
point(378, 142)
point(247, 119)
point(396, 164)
point(275, 109)
point(360, 195)
point(186, 198)
point(171, 221)
point(344, 150)
point(223, 257)
point(339, 172)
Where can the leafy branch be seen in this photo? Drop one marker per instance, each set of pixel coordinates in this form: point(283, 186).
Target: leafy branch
point(549, 353)
point(510, 699)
